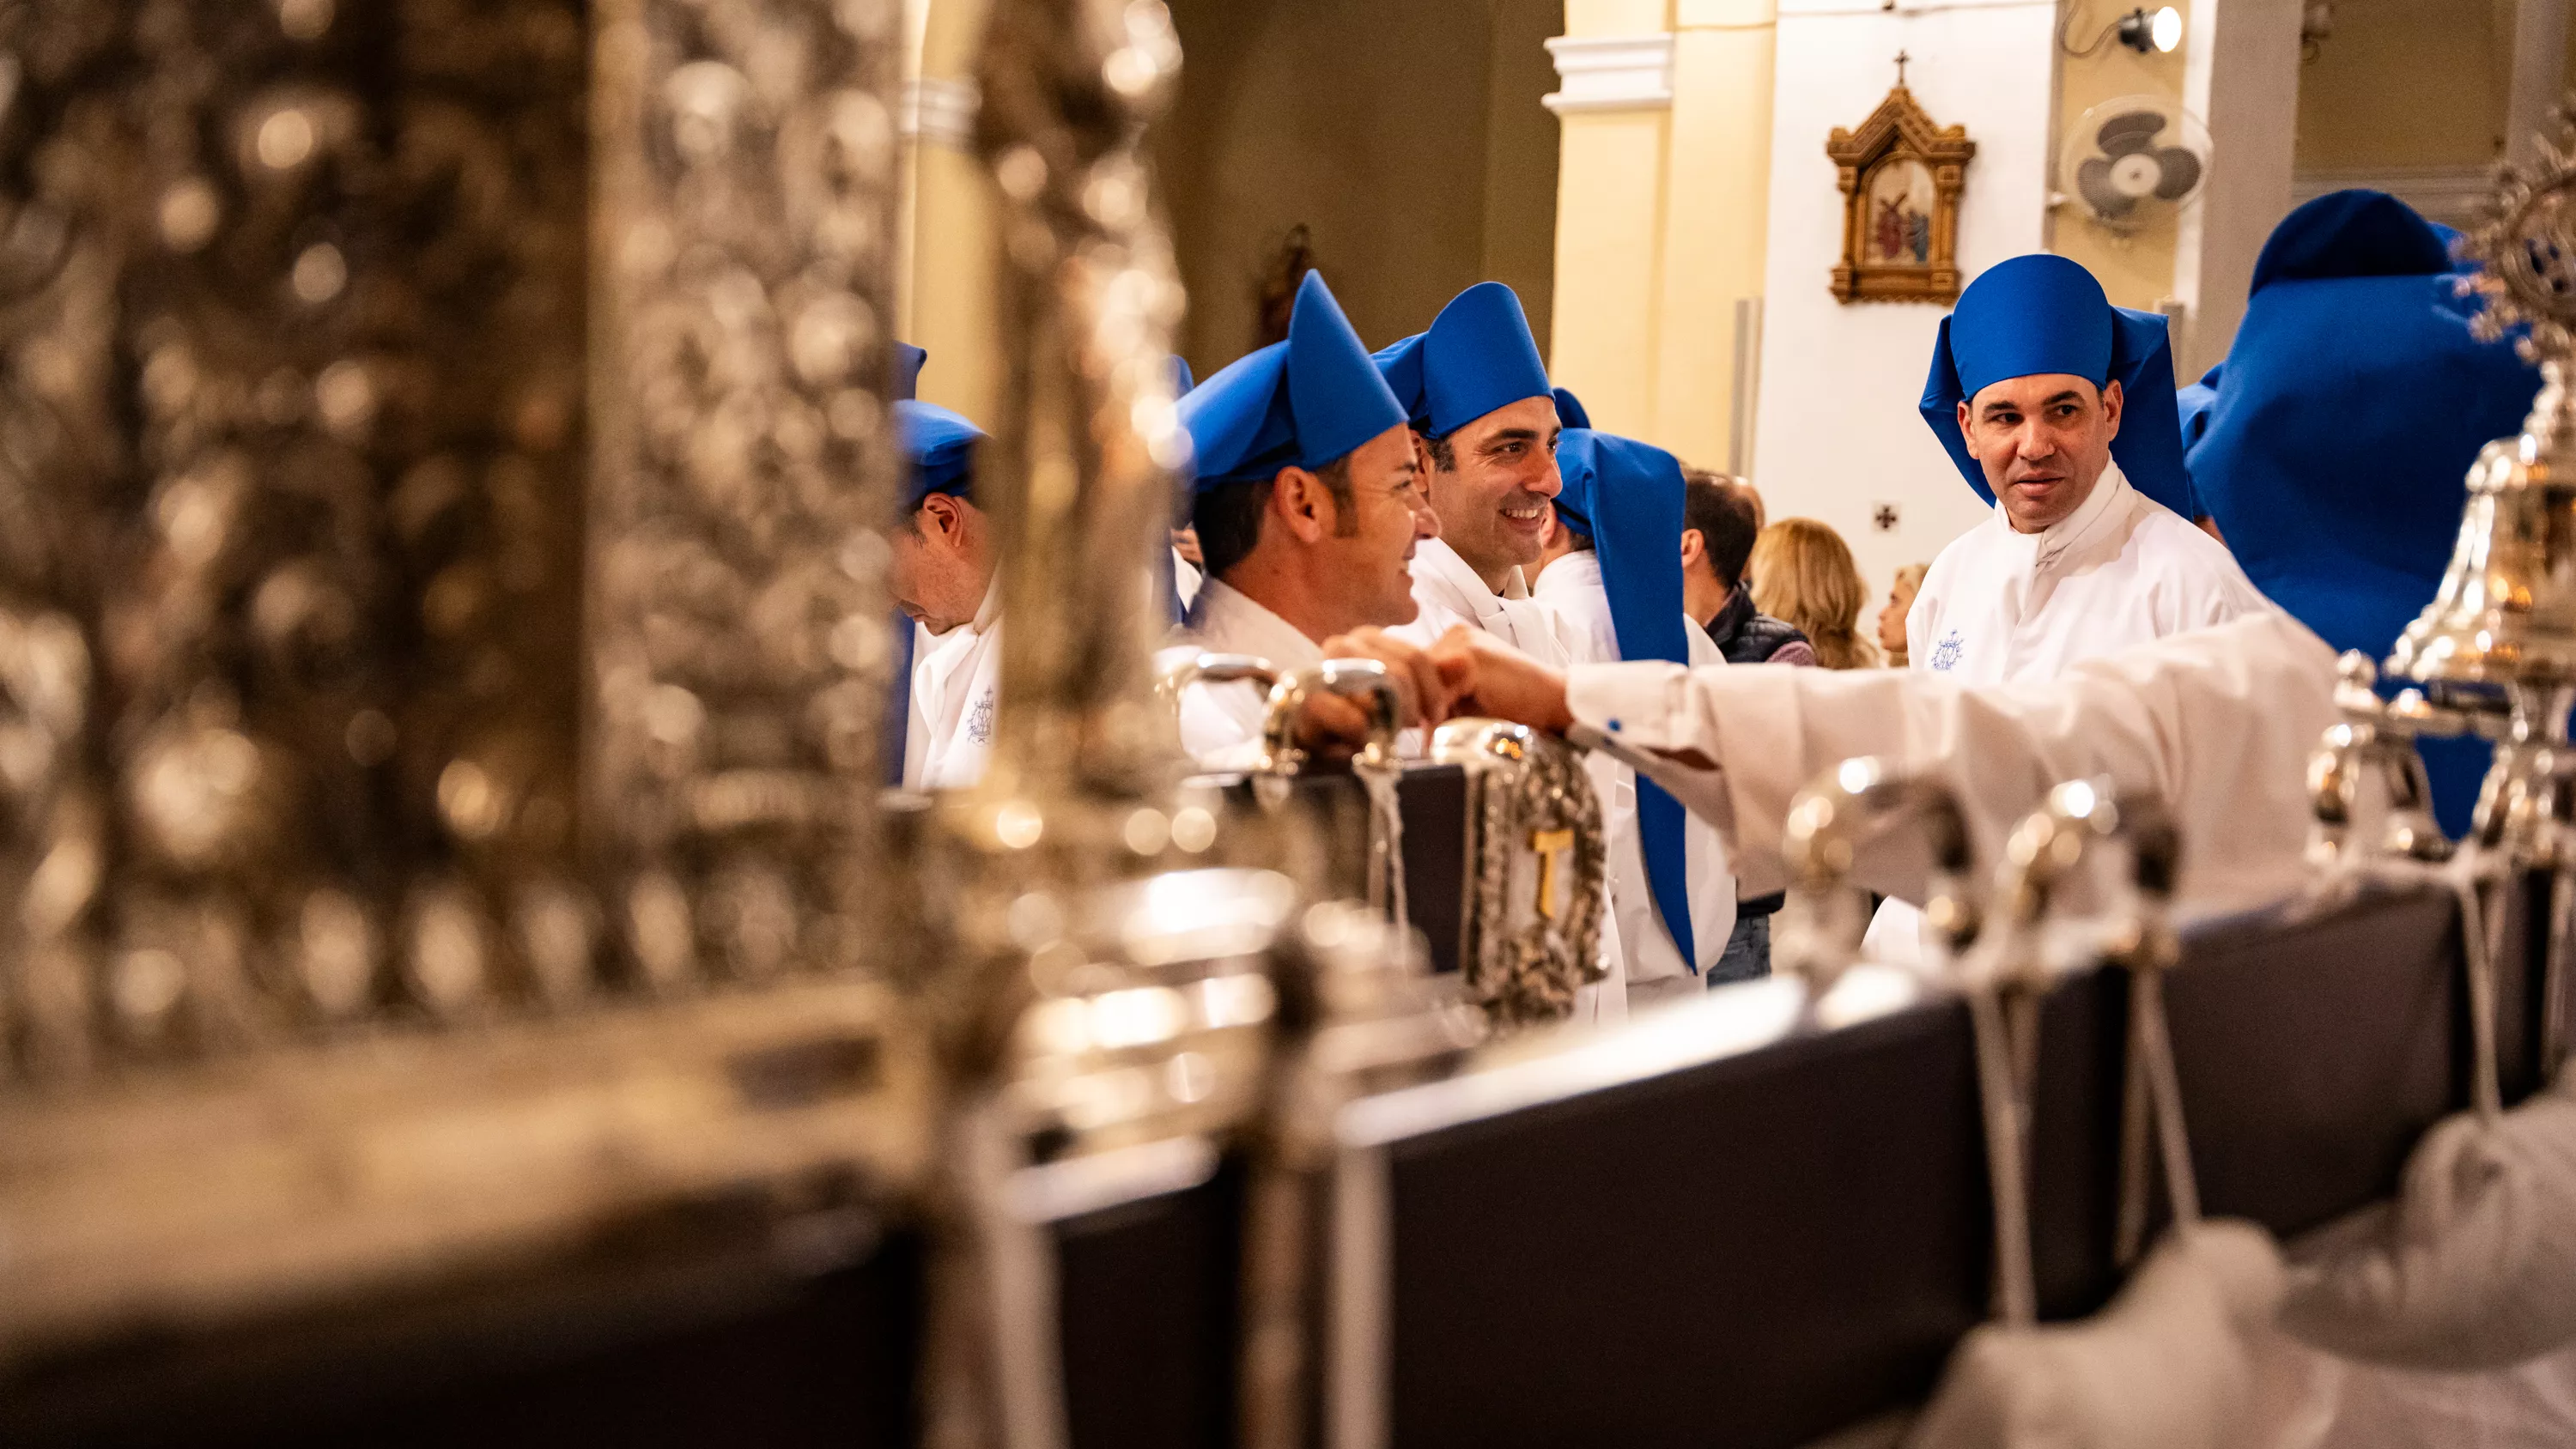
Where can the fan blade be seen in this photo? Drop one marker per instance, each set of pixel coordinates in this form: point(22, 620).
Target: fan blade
point(2093, 183)
point(2181, 173)
point(2129, 131)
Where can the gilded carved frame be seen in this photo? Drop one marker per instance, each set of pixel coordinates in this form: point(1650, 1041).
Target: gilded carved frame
point(1898, 249)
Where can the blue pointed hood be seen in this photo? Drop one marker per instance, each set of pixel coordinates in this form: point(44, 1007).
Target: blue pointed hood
point(1478, 356)
point(1300, 403)
point(938, 449)
point(1628, 496)
point(2039, 314)
point(2338, 444)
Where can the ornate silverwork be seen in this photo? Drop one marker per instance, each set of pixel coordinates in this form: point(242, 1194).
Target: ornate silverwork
point(333, 704)
point(1833, 819)
point(1077, 819)
point(2041, 857)
point(1531, 936)
point(2500, 636)
point(2376, 741)
point(739, 645)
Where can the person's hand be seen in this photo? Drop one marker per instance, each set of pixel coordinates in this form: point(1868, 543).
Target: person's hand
point(1463, 672)
point(1428, 680)
point(1503, 683)
point(1185, 542)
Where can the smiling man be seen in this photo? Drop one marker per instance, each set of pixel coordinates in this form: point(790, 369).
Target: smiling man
point(1485, 421)
point(1308, 509)
point(1486, 425)
point(2059, 410)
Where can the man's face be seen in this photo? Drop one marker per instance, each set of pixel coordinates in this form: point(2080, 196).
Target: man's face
point(1494, 507)
point(941, 565)
point(2043, 441)
point(1373, 552)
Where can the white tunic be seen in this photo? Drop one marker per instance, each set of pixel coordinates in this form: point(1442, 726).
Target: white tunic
point(2000, 607)
point(1221, 723)
point(1449, 593)
point(956, 686)
point(2218, 723)
point(1572, 586)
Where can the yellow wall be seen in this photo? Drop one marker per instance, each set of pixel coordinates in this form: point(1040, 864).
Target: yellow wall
point(1717, 216)
point(2407, 83)
point(1425, 166)
point(1608, 257)
point(2136, 268)
point(1521, 157)
point(1617, 17)
point(947, 291)
point(1661, 219)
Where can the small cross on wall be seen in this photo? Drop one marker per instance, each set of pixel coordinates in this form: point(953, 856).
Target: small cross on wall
point(1901, 59)
point(1884, 517)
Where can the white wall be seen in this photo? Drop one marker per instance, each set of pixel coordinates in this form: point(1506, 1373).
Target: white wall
point(1838, 430)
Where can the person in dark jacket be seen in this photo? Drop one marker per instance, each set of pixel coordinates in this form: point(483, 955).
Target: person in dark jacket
point(1720, 519)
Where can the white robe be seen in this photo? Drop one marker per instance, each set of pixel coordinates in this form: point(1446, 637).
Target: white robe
point(1449, 593)
point(1221, 723)
point(2000, 607)
point(1655, 970)
point(2218, 723)
point(956, 689)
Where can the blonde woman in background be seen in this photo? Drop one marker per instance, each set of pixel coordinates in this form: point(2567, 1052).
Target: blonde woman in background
point(1900, 602)
point(1802, 572)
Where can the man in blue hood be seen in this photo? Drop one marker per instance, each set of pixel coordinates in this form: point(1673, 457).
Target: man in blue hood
point(2334, 445)
point(2058, 408)
point(1308, 505)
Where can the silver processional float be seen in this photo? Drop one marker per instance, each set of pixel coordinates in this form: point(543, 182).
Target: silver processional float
point(442, 667)
point(2494, 654)
point(444, 654)
point(442, 643)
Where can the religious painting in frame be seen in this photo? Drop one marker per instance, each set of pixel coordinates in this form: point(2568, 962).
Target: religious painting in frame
point(1901, 177)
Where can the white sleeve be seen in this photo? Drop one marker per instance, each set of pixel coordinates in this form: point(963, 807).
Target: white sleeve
point(1712, 874)
point(2218, 723)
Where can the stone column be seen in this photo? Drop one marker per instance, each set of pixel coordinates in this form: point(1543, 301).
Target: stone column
point(1615, 98)
point(1662, 210)
point(1716, 220)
